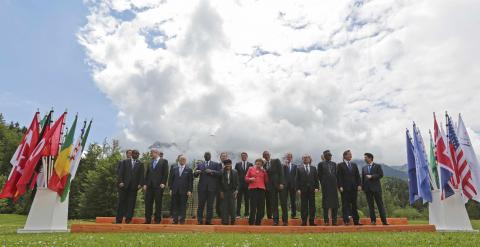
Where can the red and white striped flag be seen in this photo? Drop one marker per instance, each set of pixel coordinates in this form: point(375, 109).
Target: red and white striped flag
point(462, 169)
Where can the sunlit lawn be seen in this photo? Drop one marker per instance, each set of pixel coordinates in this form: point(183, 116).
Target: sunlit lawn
point(10, 223)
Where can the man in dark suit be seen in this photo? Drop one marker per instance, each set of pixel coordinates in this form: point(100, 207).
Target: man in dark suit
point(218, 199)
point(228, 192)
point(371, 175)
point(155, 182)
point(209, 173)
point(180, 182)
point(130, 178)
point(290, 189)
point(307, 185)
point(327, 174)
point(349, 183)
point(275, 185)
point(242, 168)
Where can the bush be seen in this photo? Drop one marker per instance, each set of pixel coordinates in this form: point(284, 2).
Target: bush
point(409, 213)
point(100, 190)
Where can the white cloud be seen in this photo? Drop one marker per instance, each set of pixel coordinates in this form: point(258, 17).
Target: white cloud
point(300, 76)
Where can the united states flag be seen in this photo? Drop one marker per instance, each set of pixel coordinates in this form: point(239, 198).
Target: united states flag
point(462, 169)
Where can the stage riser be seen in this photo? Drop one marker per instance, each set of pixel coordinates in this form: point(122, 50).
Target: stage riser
point(243, 221)
point(124, 228)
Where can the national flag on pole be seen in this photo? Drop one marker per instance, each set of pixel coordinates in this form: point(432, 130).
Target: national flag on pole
point(412, 171)
point(51, 148)
point(76, 157)
point(464, 175)
point(470, 156)
point(433, 163)
point(61, 168)
point(34, 158)
point(26, 146)
point(421, 164)
point(444, 161)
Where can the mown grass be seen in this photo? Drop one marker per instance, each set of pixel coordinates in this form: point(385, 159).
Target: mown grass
point(10, 223)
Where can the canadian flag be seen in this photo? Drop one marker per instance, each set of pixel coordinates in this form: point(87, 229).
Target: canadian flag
point(35, 156)
point(20, 157)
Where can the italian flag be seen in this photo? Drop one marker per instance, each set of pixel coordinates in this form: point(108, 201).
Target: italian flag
point(61, 168)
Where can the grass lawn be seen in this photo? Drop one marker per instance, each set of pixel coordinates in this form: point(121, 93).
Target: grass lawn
point(10, 223)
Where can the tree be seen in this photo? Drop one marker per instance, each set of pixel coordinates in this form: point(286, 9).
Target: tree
point(99, 197)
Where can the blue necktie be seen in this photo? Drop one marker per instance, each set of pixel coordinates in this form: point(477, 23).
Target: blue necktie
point(369, 168)
point(154, 164)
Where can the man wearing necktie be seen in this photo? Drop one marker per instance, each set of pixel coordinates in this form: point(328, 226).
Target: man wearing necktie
point(180, 182)
point(155, 182)
point(307, 185)
point(275, 185)
point(242, 168)
point(130, 178)
point(290, 190)
point(327, 174)
point(349, 183)
point(209, 173)
point(371, 175)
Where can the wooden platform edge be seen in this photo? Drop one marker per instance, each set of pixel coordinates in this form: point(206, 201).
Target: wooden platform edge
point(169, 228)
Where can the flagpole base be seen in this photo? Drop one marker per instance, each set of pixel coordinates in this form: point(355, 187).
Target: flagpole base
point(47, 214)
point(450, 214)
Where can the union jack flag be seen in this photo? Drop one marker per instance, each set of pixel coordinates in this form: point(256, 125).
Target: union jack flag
point(444, 160)
point(462, 169)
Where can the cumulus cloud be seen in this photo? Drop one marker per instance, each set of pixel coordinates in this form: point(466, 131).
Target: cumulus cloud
point(299, 76)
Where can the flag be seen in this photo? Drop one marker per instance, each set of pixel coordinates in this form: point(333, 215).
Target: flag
point(463, 173)
point(469, 153)
point(36, 154)
point(433, 163)
point(412, 174)
point(421, 164)
point(61, 168)
point(76, 157)
point(51, 147)
point(26, 146)
point(444, 161)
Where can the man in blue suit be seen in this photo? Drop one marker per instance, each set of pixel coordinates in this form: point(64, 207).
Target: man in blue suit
point(209, 173)
point(180, 183)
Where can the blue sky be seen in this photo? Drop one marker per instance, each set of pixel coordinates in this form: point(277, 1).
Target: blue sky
point(42, 64)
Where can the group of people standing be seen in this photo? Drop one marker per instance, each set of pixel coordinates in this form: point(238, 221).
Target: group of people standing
point(262, 185)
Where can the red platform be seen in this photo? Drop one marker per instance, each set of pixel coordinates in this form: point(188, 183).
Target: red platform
point(169, 228)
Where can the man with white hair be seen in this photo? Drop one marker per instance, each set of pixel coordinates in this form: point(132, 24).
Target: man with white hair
point(155, 182)
point(180, 182)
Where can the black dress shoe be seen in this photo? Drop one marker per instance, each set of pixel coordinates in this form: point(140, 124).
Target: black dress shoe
point(147, 223)
point(208, 223)
point(334, 224)
point(304, 224)
point(385, 224)
point(358, 224)
point(275, 223)
point(285, 224)
point(294, 217)
point(373, 223)
point(174, 223)
point(199, 223)
point(313, 224)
